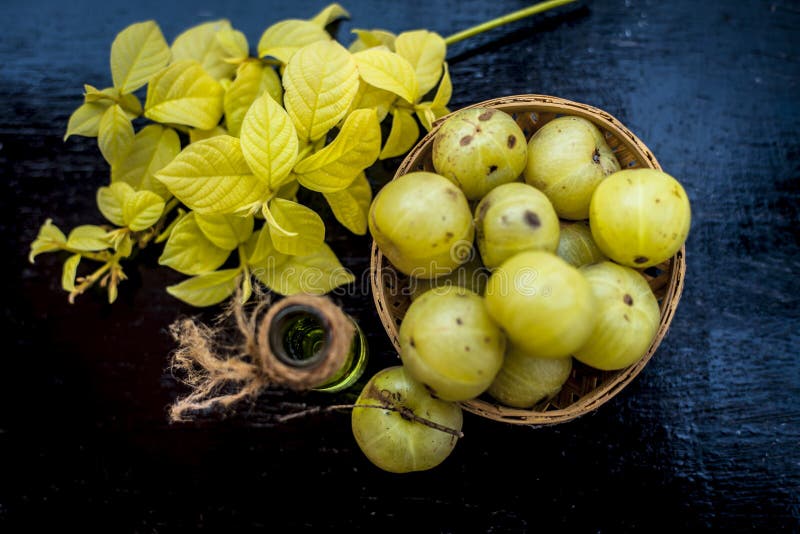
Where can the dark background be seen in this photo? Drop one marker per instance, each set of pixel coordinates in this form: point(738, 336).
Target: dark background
point(707, 436)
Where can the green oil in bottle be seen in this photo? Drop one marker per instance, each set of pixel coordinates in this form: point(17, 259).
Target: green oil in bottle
point(300, 336)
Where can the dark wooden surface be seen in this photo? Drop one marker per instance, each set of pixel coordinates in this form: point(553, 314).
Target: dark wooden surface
point(707, 436)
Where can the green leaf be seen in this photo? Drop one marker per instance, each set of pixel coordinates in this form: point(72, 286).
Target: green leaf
point(386, 70)
point(253, 78)
point(85, 120)
point(69, 272)
point(206, 289)
point(189, 251)
point(225, 231)
point(321, 82)
point(283, 39)
point(372, 38)
point(137, 53)
point(351, 206)
point(50, 239)
point(425, 51)
point(154, 146)
point(88, 238)
point(212, 176)
point(141, 210)
point(355, 148)
point(269, 141)
point(294, 228)
point(111, 199)
point(116, 134)
point(234, 45)
point(184, 93)
point(402, 136)
point(329, 14)
point(316, 273)
point(200, 43)
point(261, 252)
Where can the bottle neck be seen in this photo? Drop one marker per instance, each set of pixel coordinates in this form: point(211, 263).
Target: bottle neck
point(300, 336)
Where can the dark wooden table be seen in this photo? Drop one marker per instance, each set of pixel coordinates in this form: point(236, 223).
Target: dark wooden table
point(707, 436)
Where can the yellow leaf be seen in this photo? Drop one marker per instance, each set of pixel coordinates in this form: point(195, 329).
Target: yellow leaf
point(130, 103)
point(69, 272)
point(261, 253)
point(200, 44)
point(351, 206)
point(88, 238)
point(111, 199)
point(196, 135)
point(253, 78)
point(189, 251)
point(369, 97)
point(386, 70)
point(153, 148)
point(269, 141)
point(184, 93)
point(329, 14)
point(283, 39)
point(137, 53)
point(444, 92)
point(321, 82)
point(294, 228)
point(49, 239)
point(315, 273)
point(403, 135)
point(86, 119)
point(93, 94)
point(426, 52)
point(430, 111)
point(355, 148)
point(233, 44)
point(142, 210)
point(206, 289)
point(372, 38)
point(212, 176)
point(225, 231)
point(116, 134)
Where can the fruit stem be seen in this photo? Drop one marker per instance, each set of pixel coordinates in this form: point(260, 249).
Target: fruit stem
point(404, 412)
point(505, 19)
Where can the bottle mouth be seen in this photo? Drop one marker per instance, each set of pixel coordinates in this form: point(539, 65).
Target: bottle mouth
point(300, 336)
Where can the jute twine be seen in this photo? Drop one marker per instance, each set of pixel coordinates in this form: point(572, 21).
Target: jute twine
point(226, 363)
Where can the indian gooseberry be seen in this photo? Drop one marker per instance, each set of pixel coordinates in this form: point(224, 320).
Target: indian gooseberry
point(422, 223)
point(449, 343)
point(391, 438)
point(576, 245)
point(567, 158)
point(512, 218)
point(640, 217)
point(544, 304)
point(479, 149)
point(524, 380)
point(627, 317)
point(471, 275)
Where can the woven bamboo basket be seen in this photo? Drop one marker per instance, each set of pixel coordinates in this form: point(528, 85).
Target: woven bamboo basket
point(586, 389)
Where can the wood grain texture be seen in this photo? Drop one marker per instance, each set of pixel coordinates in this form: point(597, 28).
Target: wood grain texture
point(707, 436)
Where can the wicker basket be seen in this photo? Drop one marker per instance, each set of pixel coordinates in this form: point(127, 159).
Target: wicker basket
point(587, 388)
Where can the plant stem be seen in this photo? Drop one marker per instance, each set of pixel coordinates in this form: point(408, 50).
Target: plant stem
point(505, 19)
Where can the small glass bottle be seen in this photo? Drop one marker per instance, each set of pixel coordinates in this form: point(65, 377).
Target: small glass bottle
point(301, 336)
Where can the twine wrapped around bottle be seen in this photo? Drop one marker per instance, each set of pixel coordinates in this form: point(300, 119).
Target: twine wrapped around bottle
point(234, 359)
point(587, 388)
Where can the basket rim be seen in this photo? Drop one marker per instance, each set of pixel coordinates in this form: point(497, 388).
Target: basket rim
point(590, 402)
